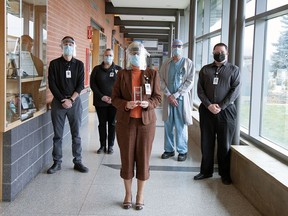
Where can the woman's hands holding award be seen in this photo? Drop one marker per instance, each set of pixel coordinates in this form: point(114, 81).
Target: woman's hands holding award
point(137, 96)
point(133, 104)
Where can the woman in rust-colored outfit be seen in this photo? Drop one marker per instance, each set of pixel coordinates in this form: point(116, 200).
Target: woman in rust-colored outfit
point(135, 120)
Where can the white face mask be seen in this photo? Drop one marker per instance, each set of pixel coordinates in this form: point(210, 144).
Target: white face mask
point(108, 59)
point(177, 52)
point(68, 50)
point(135, 60)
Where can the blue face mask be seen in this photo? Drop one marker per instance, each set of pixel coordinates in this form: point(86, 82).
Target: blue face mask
point(68, 50)
point(135, 60)
point(176, 52)
point(108, 59)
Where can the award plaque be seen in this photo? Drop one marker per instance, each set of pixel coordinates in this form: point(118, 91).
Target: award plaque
point(137, 93)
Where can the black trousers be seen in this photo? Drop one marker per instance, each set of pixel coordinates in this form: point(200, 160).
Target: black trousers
point(220, 127)
point(106, 114)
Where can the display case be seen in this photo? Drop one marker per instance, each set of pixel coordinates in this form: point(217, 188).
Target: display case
point(23, 61)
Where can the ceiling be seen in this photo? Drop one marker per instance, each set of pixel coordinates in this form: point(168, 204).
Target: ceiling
point(145, 19)
point(181, 4)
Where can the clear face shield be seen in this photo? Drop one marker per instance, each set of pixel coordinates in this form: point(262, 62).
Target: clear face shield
point(68, 46)
point(136, 55)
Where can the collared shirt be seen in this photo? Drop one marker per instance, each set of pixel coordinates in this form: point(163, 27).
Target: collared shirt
point(225, 90)
point(102, 81)
point(62, 83)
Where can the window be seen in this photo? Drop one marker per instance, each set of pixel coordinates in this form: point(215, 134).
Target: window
point(246, 77)
point(271, 4)
point(198, 60)
point(215, 14)
point(212, 42)
point(250, 8)
point(274, 119)
point(198, 66)
point(200, 17)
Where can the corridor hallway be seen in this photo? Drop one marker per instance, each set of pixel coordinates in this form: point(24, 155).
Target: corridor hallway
point(170, 190)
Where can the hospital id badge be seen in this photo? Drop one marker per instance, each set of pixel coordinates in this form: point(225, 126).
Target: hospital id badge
point(68, 74)
point(215, 81)
point(148, 88)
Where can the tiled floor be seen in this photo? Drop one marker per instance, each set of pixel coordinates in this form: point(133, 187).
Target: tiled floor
point(170, 190)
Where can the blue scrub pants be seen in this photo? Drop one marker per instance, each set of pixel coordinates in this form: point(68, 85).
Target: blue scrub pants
point(175, 121)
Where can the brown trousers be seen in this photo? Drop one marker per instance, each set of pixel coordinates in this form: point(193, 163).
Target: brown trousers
point(135, 143)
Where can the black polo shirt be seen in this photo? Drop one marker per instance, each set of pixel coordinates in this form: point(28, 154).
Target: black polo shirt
point(102, 81)
point(63, 83)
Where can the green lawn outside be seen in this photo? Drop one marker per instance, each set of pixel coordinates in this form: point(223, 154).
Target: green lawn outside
point(275, 122)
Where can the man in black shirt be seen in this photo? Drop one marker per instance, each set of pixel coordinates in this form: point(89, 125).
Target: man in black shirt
point(102, 80)
point(218, 88)
point(66, 81)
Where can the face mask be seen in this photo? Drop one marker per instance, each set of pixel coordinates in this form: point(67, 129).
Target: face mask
point(68, 50)
point(108, 59)
point(176, 52)
point(135, 60)
point(219, 57)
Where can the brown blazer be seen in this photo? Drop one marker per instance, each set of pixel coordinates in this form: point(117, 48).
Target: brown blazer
point(122, 93)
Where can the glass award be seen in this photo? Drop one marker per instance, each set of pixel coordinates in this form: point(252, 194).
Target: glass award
point(137, 93)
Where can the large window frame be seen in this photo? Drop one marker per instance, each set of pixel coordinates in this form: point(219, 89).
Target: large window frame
point(252, 134)
point(260, 21)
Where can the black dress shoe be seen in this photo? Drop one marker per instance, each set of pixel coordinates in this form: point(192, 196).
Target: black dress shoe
point(81, 168)
point(226, 181)
point(110, 150)
point(182, 157)
point(54, 168)
point(166, 155)
point(202, 176)
point(101, 150)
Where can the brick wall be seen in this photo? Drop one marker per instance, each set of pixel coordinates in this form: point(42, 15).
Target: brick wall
point(71, 17)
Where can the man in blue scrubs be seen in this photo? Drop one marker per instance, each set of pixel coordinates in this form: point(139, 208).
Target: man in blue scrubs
point(177, 80)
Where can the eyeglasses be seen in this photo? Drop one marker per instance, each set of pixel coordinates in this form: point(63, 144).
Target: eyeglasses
point(134, 53)
point(177, 46)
